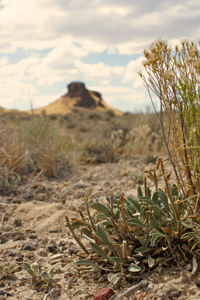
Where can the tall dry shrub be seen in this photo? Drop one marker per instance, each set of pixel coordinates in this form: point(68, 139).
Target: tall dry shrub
point(173, 75)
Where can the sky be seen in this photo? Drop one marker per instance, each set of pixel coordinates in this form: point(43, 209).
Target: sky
point(47, 44)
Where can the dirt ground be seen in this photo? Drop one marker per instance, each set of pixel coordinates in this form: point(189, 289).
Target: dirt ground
point(33, 231)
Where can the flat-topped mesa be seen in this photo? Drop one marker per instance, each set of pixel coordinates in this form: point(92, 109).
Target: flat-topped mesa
point(84, 98)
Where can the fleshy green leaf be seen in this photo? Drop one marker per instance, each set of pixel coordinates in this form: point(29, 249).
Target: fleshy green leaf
point(26, 266)
point(136, 222)
point(142, 212)
point(164, 200)
point(154, 239)
point(156, 211)
point(51, 273)
point(88, 238)
point(139, 192)
point(164, 261)
point(100, 251)
point(103, 236)
point(30, 272)
point(165, 222)
point(90, 263)
point(142, 250)
point(155, 232)
point(151, 261)
point(134, 268)
point(154, 222)
point(35, 269)
point(147, 240)
point(146, 200)
point(101, 208)
point(111, 276)
point(135, 204)
point(117, 259)
point(155, 198)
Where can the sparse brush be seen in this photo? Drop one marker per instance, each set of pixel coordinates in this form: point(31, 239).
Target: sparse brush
point(150, 159)
point(130, 237)
point(47, 147)
point(99, 151)
point(12, 159)
point(174, 77)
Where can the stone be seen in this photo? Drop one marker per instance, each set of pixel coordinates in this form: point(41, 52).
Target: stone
point(79, 194)
point(17, 222)
point(52, 248)
point(42, 252)
point(29, 246)
point(32, 236)
point(103, 294)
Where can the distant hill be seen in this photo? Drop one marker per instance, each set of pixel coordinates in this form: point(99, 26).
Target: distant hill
point(77, 99)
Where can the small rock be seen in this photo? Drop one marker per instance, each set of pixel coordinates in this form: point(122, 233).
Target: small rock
point(198, 283)
point(42, 252)
point(56, 256)
point(17, 222)
point(79, 194)
point(52, 248)
point(103, 294)
point(192, 291)
point(79, 185)
point(32, 236)
point(7, 228)
point(62, 243)
point(19, 236)
point(29, 246)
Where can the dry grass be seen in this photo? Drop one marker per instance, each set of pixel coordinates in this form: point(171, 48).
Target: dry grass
point(30, 144)
point(174, 77)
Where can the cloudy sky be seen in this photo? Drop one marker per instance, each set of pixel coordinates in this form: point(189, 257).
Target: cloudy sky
point(47, 44)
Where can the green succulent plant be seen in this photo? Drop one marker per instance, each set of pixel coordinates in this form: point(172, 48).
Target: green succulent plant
point(130, 237)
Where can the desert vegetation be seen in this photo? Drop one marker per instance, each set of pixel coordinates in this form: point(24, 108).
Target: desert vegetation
point(131, 236)
point(31, 143)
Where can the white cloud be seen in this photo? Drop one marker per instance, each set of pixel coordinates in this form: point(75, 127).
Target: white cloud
point(74, 29)
point(3, 61)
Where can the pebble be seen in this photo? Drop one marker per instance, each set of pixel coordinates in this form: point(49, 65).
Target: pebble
point(17, 222)
point(103, 294)
point(79, 185)
point(29, 246)
point(52, 248)
point(79, 194)
point(32, 236)
point(42, 252)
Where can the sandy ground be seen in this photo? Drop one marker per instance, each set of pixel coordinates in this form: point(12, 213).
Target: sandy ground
point(33, 231)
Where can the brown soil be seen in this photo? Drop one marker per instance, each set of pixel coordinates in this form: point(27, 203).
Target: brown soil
point(33, 230)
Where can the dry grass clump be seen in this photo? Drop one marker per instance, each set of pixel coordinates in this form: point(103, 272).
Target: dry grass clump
point(12, 158)
point(174, 77)
point(98, 151)
point(46, 145)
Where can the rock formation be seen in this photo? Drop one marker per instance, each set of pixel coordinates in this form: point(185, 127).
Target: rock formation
point(83, 97)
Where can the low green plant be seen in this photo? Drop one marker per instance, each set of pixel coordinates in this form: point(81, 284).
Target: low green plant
point(32, 272)
point(8, 269)
point(138, 178)
point(130, 237)
point(36, 273)
point(99, 151)
point(47, 278)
